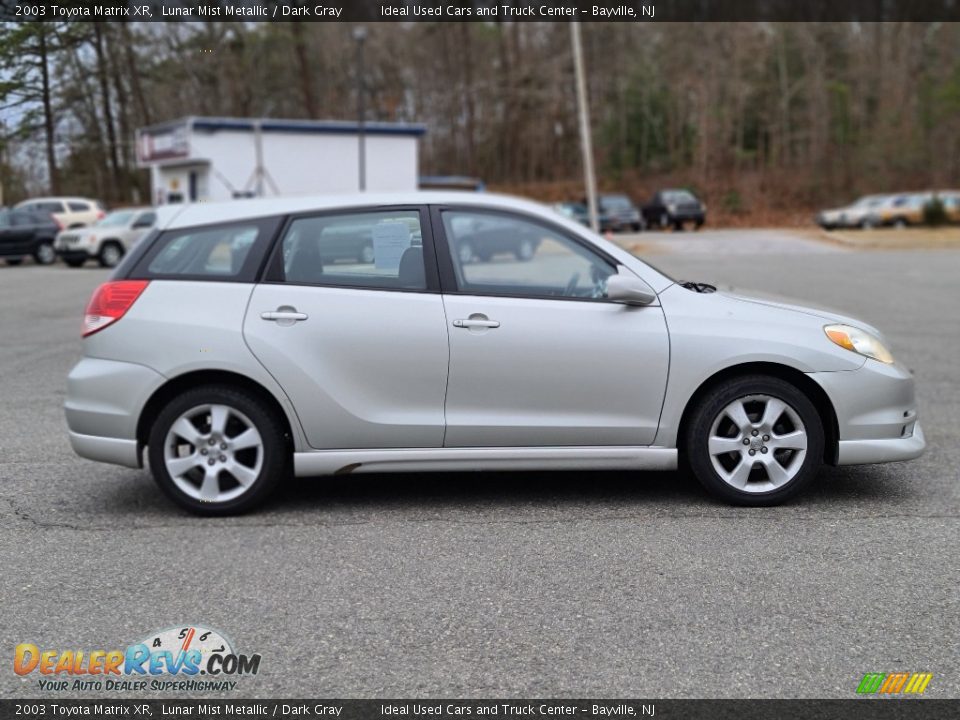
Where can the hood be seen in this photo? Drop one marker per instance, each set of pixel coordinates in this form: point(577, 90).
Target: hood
point(829, 315)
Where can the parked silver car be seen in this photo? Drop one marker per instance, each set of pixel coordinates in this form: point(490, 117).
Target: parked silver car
point(108, 240)
point(227, 351)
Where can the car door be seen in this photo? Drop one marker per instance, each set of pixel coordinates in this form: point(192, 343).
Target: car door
point(538, 355)
point(359, 348)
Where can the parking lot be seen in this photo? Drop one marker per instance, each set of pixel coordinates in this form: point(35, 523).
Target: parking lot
point(499, 585)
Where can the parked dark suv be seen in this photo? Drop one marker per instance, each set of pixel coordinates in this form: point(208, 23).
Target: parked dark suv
point(617, 213)
point(27, 233)
point(674, 207)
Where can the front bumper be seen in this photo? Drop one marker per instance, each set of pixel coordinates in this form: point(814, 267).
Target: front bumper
point(73, 254)
point(876, 413)
point(861, 452)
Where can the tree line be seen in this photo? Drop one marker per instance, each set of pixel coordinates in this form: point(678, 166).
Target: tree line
point(752, 115)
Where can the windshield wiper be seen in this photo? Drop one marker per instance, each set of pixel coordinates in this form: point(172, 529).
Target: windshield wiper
point(698, 287)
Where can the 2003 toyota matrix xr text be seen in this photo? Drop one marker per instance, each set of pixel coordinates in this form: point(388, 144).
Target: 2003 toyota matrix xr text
point(240, 342)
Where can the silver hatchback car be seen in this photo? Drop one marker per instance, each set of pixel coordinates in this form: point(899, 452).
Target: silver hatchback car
point(242, 342)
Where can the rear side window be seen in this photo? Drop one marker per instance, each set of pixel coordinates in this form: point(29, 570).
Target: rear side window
point(231, 252)
point(78, 207)
point(380, 249)
point(46, 206)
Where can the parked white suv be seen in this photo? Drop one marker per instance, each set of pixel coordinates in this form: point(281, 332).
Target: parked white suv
point(69, 212)
point(108, 240)
point(237, 343)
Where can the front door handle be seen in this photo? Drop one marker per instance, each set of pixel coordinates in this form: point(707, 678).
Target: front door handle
point(284, 315)
point(476, 321)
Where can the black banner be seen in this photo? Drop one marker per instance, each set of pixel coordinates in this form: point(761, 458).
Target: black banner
point(853, 709)
point(481, 10)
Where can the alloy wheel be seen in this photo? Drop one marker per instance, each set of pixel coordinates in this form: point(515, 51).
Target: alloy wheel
point(757, 443)
point(213, 453)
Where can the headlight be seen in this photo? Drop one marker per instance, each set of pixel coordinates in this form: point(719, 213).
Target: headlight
point(858, 341)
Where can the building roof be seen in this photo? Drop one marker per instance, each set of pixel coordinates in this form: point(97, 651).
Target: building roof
point(323, 127)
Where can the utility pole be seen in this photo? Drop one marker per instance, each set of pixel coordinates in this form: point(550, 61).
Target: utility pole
point(586, 143)
point(360, 35)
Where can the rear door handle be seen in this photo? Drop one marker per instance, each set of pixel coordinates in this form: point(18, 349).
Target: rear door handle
point(284, 315)
point(476, 322)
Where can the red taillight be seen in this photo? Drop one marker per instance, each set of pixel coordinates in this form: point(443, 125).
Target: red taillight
point(60, 225)
point(110, 302)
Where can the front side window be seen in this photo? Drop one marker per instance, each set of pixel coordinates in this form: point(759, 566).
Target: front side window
point(502, 254)
point(382, 249)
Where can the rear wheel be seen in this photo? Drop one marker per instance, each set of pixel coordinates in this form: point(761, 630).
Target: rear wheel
point(218, 450)
point(367, 255)
point(110, 254)
point(525, 250)
point(465, 252)
point(45, 254)
point(755, 440)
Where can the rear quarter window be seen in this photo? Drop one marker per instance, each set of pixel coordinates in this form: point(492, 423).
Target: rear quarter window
point(78, 207)
point(226, 252)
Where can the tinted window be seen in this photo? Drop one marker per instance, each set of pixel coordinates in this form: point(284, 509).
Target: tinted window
point(371, 249)
point(48, 206)
point(78, 207)
point(24, 219)
point(210, 252)
point(148, 219)
point(5, 218)
point(499, 254)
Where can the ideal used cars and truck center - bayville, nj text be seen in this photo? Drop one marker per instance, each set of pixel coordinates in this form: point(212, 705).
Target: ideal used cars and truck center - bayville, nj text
point(334, 12)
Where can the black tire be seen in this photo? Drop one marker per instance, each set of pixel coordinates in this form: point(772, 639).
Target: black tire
point(45, 254)
point(110, 255)
point(525, 250)
point(465, 252)
point(276, 460)
point(12, 262)
point(677, 226)
point(74, 262)
point(366, 255)
point(699, 427)
point(637, 227)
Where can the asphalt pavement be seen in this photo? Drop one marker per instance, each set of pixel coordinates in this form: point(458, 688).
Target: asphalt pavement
point(503, 584)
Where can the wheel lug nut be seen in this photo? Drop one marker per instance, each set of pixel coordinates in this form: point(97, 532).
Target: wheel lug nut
point(755, 433)
point(766, 438)
point(763, 450)
point(223, 446)
point(223, 458)
point(211, 441)
point(203, 451)
point(753, 452)
point(211, 461)
point(746, 441)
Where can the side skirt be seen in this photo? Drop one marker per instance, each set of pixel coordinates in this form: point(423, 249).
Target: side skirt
point(338, 462)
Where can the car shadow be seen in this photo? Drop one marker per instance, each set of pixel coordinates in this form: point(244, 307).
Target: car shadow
point(529, 494)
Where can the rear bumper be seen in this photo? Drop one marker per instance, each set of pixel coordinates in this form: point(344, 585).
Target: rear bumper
point(104, 402)
point(104, 449)
point(860, 452)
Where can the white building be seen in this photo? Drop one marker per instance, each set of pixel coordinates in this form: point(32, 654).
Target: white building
point(196, 159)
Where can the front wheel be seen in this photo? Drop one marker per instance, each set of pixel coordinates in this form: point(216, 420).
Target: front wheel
point(218, 450)
point(755, 440)
point(45, 254)
point(110, 254)
point(525, 250)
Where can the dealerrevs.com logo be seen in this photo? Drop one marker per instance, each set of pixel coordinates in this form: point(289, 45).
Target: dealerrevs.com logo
point(894, 683)
point(186, 659)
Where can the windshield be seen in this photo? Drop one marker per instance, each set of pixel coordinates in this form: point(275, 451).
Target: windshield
point(117, 219)
point(615, 202)
point(678, 196)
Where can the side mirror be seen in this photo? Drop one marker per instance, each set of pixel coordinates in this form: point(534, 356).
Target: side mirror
point(629, 290)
